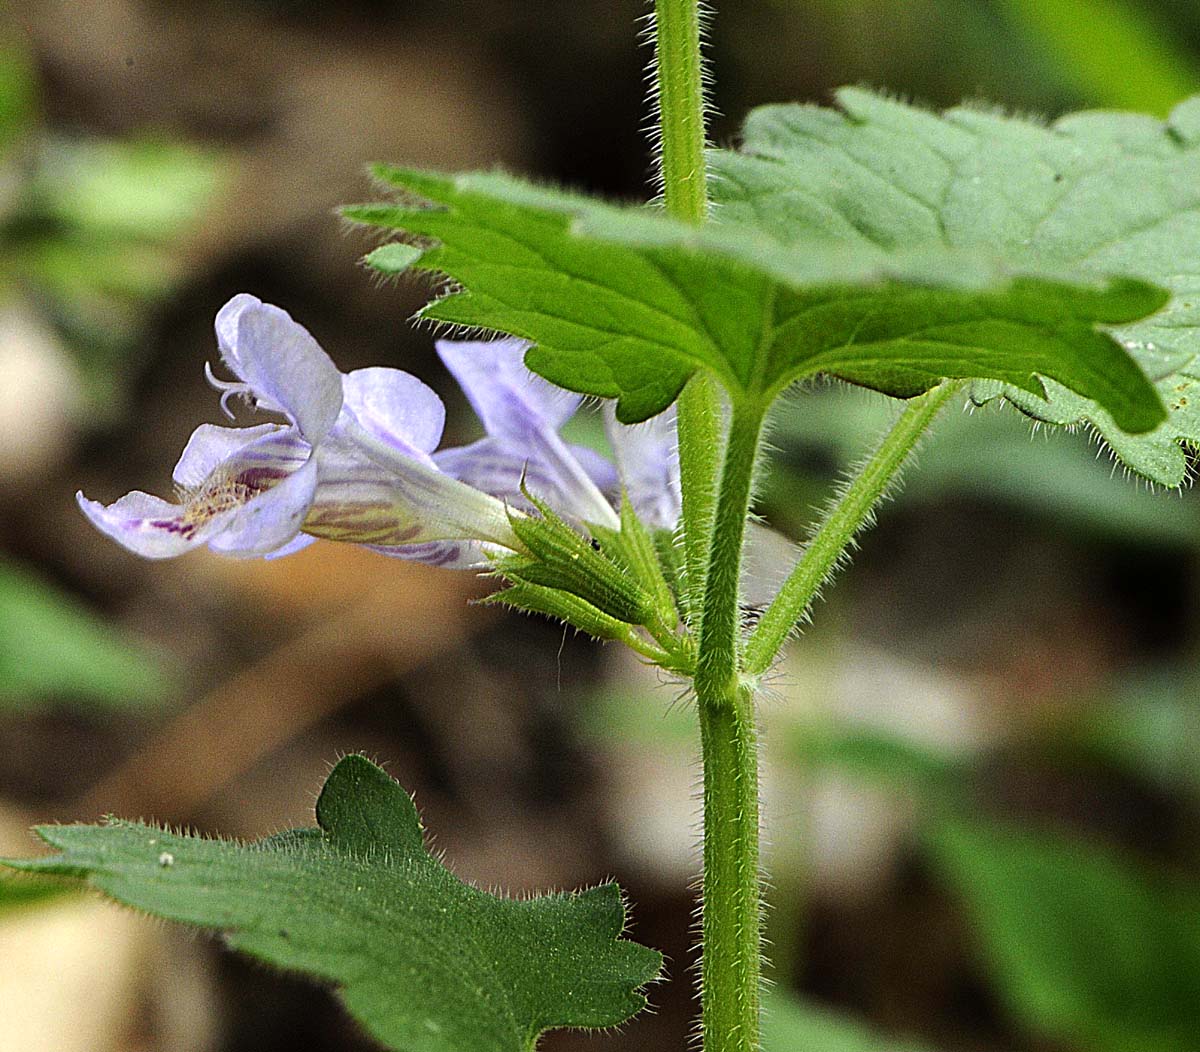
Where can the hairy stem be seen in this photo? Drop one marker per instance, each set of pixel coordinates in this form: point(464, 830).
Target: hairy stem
point(680, 91)
point(699, 429)
point(730, 968)
point(680, 82)
point(848, 515)
point(714, 523)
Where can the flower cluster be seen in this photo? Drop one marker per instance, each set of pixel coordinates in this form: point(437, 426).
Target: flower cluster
point(357, 458)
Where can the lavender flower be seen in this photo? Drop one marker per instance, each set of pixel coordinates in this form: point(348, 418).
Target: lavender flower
point(356, 462)
point(648, 465)
point(522, 414)
point(352, 463)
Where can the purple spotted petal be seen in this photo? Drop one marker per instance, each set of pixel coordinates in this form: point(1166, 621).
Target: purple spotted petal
point(250, 502)
point(271, 519)
point(503, 392)
point(146, 525)
point(281, 365)
point(396, 407)
point(354, 464)
point(211, 445)
point(648, 462)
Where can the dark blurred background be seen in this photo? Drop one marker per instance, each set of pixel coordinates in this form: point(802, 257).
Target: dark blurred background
point(980, 767)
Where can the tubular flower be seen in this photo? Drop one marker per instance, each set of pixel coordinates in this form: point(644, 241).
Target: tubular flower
point(647, 457)
point(355, 460)
point(352, 462)
point(522, 415)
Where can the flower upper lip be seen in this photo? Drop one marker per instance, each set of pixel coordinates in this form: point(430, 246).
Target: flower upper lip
point(280, 364)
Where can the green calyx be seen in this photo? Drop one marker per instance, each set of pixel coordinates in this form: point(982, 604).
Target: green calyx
point(561, 558)
point(609, 585)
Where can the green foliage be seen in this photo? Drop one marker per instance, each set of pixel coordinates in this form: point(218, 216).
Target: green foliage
point(91, 233)
point(984, 455)
point(16, 93)
point(1113, 52)
point(16, 894)
point(1085, 948)
point(1156, 455)
point(142, 189)
point(564, 559)
point(1150, 731)
point(790, 1025)
point(425, 962)
point(609, 584)
point(561, 606)
point(1093, 194)
point(96, 236)
point(628, 304)
point(393, 258)
point(878, 757)
point(51, 646)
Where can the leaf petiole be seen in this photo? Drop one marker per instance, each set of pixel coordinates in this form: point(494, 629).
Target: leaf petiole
point(850, 513)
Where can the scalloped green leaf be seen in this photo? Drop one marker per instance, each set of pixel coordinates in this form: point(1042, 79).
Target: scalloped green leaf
point(1156, 455)
point(425, 962)
point(627, 304)
point(1098, 193)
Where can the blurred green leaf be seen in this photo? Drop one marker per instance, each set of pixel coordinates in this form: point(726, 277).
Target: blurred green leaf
point(879, 757)
point(88, 275)
point(143, 189)
point(53, 648)
point(1113, 52)
point(17, 87)
point(792, 1025)
point(1055, 475)
point(19, 892)
point(425, 962)
point(94, 236)
point(636, 717)
point(1150, 730)
point(1085, 947)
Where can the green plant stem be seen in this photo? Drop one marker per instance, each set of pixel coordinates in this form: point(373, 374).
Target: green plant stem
point(849, 514)
point(730, 968)
point(680, 83)
point(731, 961)
point(680, 78)
point(714, 530)
point(699, 430)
